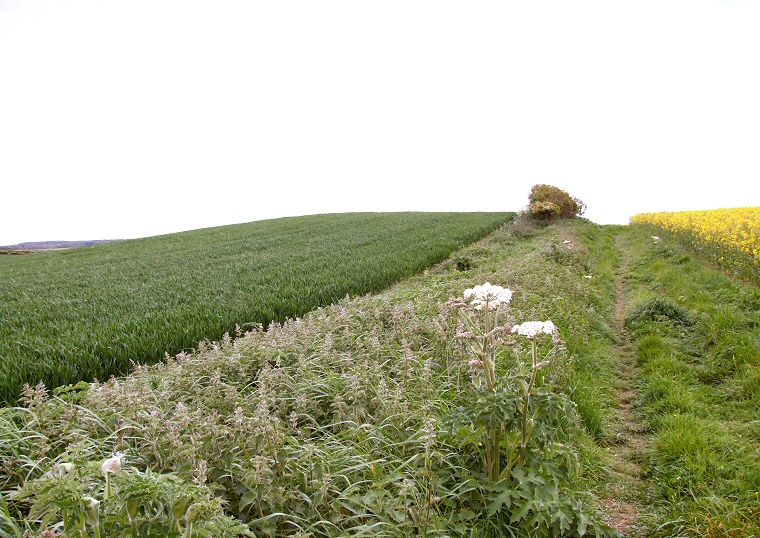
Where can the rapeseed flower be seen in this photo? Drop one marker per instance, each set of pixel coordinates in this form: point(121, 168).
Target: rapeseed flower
point(729, 236)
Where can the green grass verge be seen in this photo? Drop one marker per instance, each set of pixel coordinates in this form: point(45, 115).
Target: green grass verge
point(697, 335)
point(89, 313)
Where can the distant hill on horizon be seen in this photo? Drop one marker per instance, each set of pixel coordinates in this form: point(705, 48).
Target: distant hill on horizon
point(47, 245)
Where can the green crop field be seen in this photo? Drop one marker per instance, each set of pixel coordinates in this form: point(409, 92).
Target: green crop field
point(88, 313)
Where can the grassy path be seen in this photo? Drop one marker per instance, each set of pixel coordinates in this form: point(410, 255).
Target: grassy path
point(623, 495)
point(684, 441)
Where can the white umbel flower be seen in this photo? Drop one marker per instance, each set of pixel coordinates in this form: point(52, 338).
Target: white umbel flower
point(488, 296)
point(531, 329)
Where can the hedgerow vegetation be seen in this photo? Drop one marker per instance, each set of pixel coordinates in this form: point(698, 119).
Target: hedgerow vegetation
point(81, 314)
point(548, 203)
point(364, 418)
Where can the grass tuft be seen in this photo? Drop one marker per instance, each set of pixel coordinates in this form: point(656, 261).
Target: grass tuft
point(658, 309)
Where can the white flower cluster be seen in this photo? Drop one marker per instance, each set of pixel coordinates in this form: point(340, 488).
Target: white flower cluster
point(488, 296)
point(531, 329)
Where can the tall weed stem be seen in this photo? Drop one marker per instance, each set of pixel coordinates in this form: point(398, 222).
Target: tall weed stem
point(524, 436)
point(484, 339)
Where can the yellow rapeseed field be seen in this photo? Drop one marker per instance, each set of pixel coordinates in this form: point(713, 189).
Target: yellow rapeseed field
point(730, 236)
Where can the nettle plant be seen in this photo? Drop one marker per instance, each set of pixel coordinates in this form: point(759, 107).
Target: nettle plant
point(515, 421)
point(93, 500)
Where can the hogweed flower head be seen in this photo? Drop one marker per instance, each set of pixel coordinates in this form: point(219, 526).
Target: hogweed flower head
point(111, 466)
point(488, 296)
point(531, 329)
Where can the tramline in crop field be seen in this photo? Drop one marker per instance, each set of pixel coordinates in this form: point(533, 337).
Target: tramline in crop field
point(87, 313)
point(730, 237)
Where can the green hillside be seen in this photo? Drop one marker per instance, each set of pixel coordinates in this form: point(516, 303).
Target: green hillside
point(88, 313)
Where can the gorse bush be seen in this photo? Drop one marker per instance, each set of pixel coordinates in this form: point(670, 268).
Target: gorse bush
point(366, 417)
point(548, 203)
point(544, 210)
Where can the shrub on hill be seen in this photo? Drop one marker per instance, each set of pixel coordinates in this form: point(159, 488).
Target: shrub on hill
point(548, 203)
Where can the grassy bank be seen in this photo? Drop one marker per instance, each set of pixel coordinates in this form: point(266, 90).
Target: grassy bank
point(90, 313)
point(367, 417)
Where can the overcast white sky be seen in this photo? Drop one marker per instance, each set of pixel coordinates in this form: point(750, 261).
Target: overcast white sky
point(131, 118)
